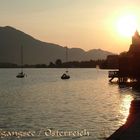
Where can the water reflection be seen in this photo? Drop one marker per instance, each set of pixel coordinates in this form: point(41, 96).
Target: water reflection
point(43, 100)
point(125, 105)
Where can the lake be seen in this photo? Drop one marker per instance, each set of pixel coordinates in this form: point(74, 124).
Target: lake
point(42, 102)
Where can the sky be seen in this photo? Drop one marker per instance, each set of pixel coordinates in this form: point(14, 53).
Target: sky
point(86, 24)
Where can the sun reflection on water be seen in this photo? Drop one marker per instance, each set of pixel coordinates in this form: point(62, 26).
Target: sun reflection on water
point(124, 107)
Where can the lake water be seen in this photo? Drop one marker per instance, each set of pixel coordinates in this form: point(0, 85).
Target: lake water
point(42, 102)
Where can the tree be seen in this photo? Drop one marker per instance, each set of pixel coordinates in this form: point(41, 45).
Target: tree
point(51, 65)
point(123, 53)
point(58, 62)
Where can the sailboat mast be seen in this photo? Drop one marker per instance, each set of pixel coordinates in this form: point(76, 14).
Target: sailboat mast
point(21, 58)
point(66, 58)
point(66, 54)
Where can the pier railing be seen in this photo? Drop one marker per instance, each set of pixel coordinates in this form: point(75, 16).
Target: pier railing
point(113, 74)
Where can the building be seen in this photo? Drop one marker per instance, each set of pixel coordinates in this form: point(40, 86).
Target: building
point(129, 64)
point(113, 61)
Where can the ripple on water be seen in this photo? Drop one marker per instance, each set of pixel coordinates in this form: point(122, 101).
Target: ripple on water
point(42, 100)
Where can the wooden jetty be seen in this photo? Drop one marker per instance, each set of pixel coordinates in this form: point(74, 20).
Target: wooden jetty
point(112, 75)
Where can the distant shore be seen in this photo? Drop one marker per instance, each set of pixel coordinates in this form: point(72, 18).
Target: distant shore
point(102, 64)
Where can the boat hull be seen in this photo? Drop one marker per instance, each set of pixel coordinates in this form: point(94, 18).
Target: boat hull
point(65, 77)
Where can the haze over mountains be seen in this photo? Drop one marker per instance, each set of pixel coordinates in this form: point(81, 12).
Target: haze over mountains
point(39, 52)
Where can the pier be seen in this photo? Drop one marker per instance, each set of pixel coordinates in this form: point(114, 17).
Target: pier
point(112, 75)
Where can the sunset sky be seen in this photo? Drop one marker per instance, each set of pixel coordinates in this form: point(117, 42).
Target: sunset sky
point(86, 24)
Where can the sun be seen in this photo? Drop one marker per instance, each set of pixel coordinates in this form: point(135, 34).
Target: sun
point(127, 25)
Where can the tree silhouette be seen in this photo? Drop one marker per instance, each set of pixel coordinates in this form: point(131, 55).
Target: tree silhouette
point(58, 62)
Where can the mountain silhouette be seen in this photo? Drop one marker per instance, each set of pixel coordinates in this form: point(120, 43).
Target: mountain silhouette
point(39, 52)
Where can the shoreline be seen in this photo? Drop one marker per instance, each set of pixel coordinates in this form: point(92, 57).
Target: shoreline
point(131, 129)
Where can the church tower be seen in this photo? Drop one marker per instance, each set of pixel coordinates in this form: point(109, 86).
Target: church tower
point(135, 46)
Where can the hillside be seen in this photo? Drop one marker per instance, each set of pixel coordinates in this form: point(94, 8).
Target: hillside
point(39, 52)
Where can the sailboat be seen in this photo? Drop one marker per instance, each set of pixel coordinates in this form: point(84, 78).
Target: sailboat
point(66, 75)
point(21, 74)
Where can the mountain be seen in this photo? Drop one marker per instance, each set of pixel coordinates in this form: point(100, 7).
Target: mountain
point(39, 52)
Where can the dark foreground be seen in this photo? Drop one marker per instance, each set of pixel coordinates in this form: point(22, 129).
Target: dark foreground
point(131, 129)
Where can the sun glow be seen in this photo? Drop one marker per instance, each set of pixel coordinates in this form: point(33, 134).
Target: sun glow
point(127, 25)
point(125, 106)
